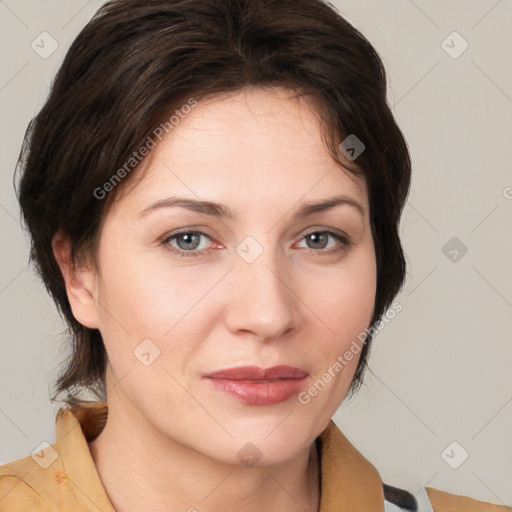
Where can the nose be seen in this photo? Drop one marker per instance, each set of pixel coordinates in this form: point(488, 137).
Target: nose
point(262, 302)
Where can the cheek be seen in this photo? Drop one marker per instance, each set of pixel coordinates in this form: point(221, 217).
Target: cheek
point(348, 299)
point(148, 297)
point(141, 302)
point(345, 310)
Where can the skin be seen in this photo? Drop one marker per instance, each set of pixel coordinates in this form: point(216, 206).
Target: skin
point(171, 438)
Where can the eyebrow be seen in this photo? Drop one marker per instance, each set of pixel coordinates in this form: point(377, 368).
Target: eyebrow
point(224, 212)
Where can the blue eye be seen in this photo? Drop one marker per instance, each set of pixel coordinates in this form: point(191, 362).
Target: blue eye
point(189, 241)
point(190, 238)
point(320, 236)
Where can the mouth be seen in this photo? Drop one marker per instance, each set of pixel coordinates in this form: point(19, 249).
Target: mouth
point(253, 385)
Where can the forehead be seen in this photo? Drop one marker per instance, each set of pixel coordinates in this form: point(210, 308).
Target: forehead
point(263, 142)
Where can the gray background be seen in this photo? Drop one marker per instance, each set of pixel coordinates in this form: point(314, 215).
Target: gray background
point(442, 366)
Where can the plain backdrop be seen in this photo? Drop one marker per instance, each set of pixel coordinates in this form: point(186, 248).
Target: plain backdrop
point(437, 410)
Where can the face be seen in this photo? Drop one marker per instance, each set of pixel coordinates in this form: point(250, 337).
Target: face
point(184, 291)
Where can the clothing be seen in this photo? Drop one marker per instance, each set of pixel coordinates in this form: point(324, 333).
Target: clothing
point(62, 477)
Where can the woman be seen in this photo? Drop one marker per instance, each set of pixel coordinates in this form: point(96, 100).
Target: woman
point(213, 190)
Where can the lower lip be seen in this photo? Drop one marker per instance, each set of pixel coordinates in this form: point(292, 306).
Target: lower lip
point(259, 393)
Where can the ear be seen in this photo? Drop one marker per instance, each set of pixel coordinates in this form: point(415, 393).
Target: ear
point(80, 283)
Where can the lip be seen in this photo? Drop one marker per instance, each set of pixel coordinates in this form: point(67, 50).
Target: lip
point(258, 374)
point(259, 386)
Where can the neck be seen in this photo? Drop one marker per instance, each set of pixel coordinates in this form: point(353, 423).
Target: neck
point(162, 474)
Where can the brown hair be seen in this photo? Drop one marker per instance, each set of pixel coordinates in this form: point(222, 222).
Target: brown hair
point(135, 62)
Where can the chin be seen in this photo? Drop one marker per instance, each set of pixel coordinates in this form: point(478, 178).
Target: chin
point(269, 440)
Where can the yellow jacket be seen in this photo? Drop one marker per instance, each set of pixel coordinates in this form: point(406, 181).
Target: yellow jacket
point(62, 477)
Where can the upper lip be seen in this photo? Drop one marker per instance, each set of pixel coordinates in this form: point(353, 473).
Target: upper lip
point(257, 373)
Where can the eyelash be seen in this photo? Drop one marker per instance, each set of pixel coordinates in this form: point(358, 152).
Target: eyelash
point(344, 241)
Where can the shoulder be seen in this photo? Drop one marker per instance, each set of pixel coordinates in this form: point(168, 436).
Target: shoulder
point(445, 502)
point(23, 485)
point(434, 500)
point(16, 493)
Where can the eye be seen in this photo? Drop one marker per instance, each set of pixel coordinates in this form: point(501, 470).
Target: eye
point(320, 239)
point(188, 243)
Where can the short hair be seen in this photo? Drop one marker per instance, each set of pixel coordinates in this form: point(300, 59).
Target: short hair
point(135, 62)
